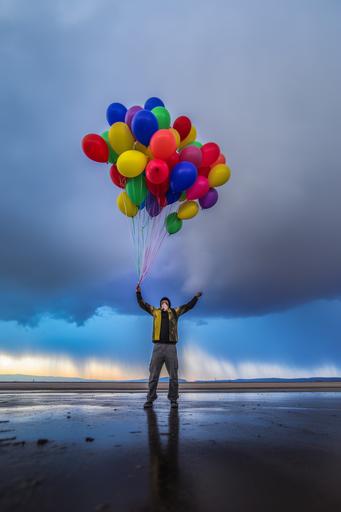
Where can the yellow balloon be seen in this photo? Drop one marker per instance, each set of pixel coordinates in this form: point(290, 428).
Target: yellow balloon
point(120, 137)
point(188, 210)
point(176, 135)
point(131, 163)
point(144, 149)
point(218, 175)
point(125, 204)
point(190, 137)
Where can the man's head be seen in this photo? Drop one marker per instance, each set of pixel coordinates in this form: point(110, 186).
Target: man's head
point(165, 303)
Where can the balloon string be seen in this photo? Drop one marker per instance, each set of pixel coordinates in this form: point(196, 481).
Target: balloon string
point(146, 253)
point(157, 240)
point(149, 225)
point(153, 253)
point(148, 234)
point(145, 230)
point(150, 240)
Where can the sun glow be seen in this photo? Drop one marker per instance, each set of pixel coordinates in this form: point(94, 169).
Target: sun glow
point(62, 366)
point(194, 364)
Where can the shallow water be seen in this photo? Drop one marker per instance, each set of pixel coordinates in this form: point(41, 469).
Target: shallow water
point(223, 451)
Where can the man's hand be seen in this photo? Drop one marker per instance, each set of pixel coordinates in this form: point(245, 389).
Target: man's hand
point(199, 294)
point(138, 288)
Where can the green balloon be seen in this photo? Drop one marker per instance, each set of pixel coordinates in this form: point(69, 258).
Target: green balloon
point(194, 143)
point(112, 155)
point(136, 189)
point(163, 117)
point(173, 223)
point(183, 196)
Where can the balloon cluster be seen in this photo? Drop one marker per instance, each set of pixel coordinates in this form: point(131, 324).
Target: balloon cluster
point(156, 163)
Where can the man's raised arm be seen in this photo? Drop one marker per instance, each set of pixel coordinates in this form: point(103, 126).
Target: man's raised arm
point(144, 305)
point(186, 307)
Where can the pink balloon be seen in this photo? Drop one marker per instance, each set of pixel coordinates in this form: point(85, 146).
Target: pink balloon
point(199, 188)
point(191, 154)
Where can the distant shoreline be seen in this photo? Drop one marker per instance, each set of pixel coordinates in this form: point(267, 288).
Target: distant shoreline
point(185, 387)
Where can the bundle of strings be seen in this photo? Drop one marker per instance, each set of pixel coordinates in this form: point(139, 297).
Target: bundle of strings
point(148, 232)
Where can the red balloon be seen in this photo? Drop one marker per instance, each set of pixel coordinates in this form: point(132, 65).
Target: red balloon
point(210, 153)
point(163, 144)
point(204, 171)
point(158, 190)
point(95, 147)
point(162, 200)
point(173, 160)
point(182, 125)
point(117, 178)
point(157, 171)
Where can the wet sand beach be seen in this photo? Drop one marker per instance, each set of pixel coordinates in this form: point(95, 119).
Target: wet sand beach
point(185, 387)
point(100, 451)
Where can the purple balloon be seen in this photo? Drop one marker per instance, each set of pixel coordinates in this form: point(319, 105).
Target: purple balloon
point(192, 154)
point(152, 205)
point(209, 199)
point(130, 114)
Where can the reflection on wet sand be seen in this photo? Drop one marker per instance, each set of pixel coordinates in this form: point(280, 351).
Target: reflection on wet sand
point(254, 452)
point(167, 487)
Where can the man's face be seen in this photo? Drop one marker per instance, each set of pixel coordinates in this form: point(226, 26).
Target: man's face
point(164, 305)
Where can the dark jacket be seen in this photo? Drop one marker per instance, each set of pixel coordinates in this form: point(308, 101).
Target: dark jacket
point(173, 315)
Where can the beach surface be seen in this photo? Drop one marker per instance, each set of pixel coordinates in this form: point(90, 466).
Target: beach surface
point(185, 387)
point(101, 451)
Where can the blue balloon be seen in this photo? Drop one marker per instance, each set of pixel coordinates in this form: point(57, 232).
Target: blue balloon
point(152, 205)
point(144, 125)
point(142, 205)
point(183, 176)
point(172, 197)
point(116, 112)
point(153, 102)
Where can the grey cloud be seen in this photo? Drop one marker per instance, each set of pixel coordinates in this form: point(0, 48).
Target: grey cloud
point(262, 80)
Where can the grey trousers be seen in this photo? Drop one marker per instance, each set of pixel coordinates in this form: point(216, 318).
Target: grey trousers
point(163, 353)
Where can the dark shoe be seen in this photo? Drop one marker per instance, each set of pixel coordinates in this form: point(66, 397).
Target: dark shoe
point(174, 404)
point(148, 404)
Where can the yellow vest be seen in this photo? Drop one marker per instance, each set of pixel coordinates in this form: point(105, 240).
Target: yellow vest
point(173, 315)
point(173, 324)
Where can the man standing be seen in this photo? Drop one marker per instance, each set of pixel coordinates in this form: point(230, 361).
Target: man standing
point(165, 338)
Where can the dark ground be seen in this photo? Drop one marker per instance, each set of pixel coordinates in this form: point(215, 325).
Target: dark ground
point(219, 452)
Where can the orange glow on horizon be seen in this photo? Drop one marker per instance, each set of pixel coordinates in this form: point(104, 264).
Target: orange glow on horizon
point(63, 366)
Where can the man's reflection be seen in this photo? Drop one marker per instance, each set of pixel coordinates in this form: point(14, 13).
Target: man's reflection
point(166, 489)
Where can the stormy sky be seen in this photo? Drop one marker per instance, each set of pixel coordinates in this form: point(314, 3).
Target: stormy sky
point(260, 78)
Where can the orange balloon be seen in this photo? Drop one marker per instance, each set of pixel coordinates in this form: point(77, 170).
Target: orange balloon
point(220, 160)
point(163, 144)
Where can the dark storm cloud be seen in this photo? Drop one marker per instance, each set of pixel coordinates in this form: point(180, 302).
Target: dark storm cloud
point(261, 79)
